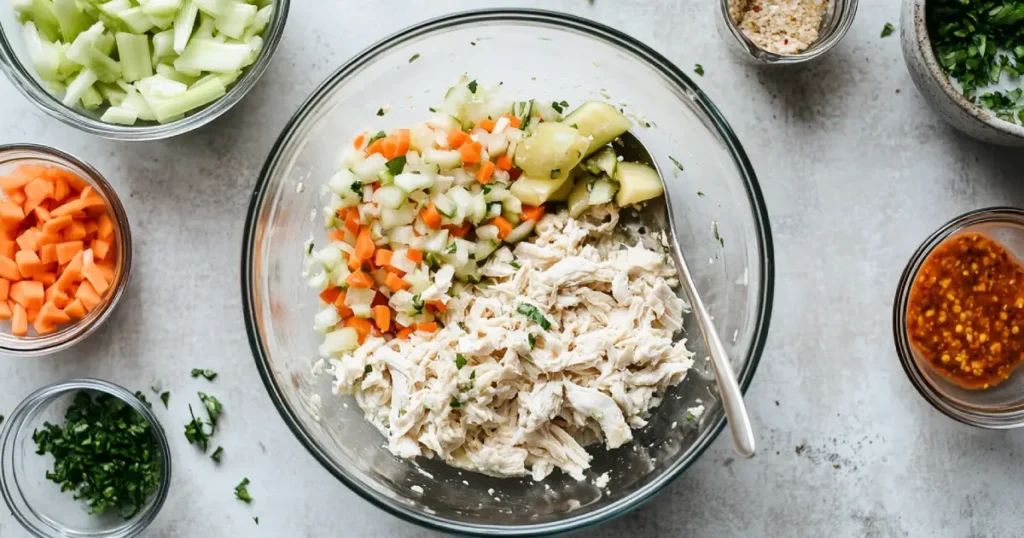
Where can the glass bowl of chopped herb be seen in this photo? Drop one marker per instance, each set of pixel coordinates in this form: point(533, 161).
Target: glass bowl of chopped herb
point(84, 458)
point(966, 59)
point(784, 33)
point(127, 72)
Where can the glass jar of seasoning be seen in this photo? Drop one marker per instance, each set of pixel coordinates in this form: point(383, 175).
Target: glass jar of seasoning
point(958, 318)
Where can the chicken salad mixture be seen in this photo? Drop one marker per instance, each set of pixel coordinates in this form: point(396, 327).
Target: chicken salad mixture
point(476, 299)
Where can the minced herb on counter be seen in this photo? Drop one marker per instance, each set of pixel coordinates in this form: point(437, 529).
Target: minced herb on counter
point(104, 452)
point(976, 42)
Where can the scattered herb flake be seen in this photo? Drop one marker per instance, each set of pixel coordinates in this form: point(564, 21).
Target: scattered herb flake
point(699, 69)
point(555, 173)
point(213, 407)
point(414, 57)
point(165, 397)
point(376, 137)
point(800, 449)
point(559, 106)
point(217, 454)
point(888, 29)
point(533, 313)
point(195, 432)
point(356, 187)
point(532, 339)
point(714, 230)
point(678, 164)
point(516, 264)
point(368, 369)
point(472, 86)
point(460, 361)
point(699, 193)
point(210, 375)
point(380, 111)
point(396, 165)
point(455, 403)
point(257, 520)
point(242, 491)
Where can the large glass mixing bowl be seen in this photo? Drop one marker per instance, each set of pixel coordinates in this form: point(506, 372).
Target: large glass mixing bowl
point(552, 57)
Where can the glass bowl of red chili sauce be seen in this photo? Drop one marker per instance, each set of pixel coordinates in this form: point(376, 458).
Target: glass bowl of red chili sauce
point(958, 318)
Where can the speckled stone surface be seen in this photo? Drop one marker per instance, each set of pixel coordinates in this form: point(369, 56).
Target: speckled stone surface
point(856, 171)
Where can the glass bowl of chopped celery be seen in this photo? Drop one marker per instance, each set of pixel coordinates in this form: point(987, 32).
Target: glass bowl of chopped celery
point(541, 57)
point(146, 70)
point(84, 457)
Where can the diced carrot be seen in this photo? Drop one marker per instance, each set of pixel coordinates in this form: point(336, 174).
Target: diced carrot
point(61, 188)
point(513, 121)
point(390, 147)
point(415, 255)
point(382, 258)
point(15, 181)
point(43, 239)
point(352, 221)
point(90, 228)
point(100, 248)
point(74, 232)
point(330, 295)
point(343, 310)
point(376, 147)
point(486, 171)
point(36, 192)
point(28, 293)
point(28, 263)
point(405, 333)
point(95, 276)
point(10, 214)
point(504, 162)
point(438, 305)
point(382, 317)
point(361, 326)
point(70, 208)
point(27, 240)
point(42, 214)
point(8, 247)
point(19, 321)
point(17, 198)
point(75, 309)
point(72, 273)
point(48, 253)
point(104, 228)
point(108, 269)
point(9, 269)
point(56, 296)
point(533, 212)
point(45, 277)
point(504, 226)
point(427, 327)
point(402, 140)
point(456, 139)
point(51, 314)
point(364, 245)
point(41, 326)
point(471, 152)
point(379, 299)
point(458, 231)
point(395, 283)
point(431, 217)
point(57, 224)
point(66, 251)
point(358, 142)
point(487, 124)
point(359, 279)
point(5, 289)
point(336, 236)
point(5, 310)
point(88, 296)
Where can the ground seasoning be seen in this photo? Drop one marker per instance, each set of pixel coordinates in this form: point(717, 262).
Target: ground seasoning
point(966, 311)
point(779, 26)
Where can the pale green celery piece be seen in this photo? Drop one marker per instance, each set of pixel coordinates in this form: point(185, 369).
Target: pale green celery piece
point(120, 116)
point(170, 72)
point(56, 86)
point(109, 13)
point(133, 51)
point(71, 18)
point(112, 93)
point(161, 8)
point(207, 25)
point(136, 103)
point(197, 96)
point(92, 98)
point(163, 45)
point(44, 55)
point(228, 79)
point(214, 8)
point(40, 12)
point(67, 66)
point(259, 23)
point(157, 88)
point(135, 20)
point(82, 82)
point(211, 56)
point(84, 52)
point(235, 19)
point(184, 23)
point(105, 43)
point(161, 23)
point(172, 119)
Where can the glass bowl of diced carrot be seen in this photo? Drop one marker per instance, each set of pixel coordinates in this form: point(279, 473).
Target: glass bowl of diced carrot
point(65, 250)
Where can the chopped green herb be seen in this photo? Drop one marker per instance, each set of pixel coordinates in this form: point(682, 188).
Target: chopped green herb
point(555, 172)
point(309, 250)
point(533, 313)
point(516, 264)
point(460, 361)
point(463, 326)
point(417, 303)
point(532, 339)
point(380, 111)
point(888, 29)
point(242, 491)
point(257, 520)
point(165, 397)
point(213, 407)
point(699, 69)
point(104, 452)
point(472, 43)
point(432, 109)
point(414, 57)
point(376, 137)
point(217, 454)
point(451, 248)
point(1, 419)
point(368, 369)
point(472, 86)
point(714, 229)
point(455, 403)
point(678, 164)
point(208, 374)
point(195, 432)
point(487, 189)
point(689, 417)
point(357, 187)
point(560, 106)
point(699, 193)
point(396, 165)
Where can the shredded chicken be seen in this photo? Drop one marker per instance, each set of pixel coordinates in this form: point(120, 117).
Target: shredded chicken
point(492, 391)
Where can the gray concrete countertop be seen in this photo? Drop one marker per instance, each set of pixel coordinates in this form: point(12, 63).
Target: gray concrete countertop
point(855, 169)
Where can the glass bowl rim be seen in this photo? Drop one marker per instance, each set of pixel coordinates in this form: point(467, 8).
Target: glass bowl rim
point(1013, 418)
point(23, 79)
point(562, 21)
point(45, 396)
point(70, 335)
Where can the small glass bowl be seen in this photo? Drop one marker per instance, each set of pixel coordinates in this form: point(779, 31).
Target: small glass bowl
point(38, 503)
point(836, 23)
point(12, 156)
point(15, 62)
point(999, 407)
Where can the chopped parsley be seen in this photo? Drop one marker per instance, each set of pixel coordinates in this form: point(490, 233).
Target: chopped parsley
point(380, 111)
point(455, 403)
point(195, 432)
point(700, 193)
point(376, 137)
point(357, 187)
point(414, 57)
point(165, 397)
point(104, 453)
point(257, 519)
point(208, 374)
point(242, 491)
point(555, 172)
point(888, 29)
point(678, 164)
point(532, 339)
point(1007, 106)
point(560, 106)
point(516, 264)
point(396, 165)
point(472, 86)
point(533, 313)
point(217, 454)
point(460, 361)
point(213, 407)
point(368, 369)
point(699, 69)
point(309, 250)
point(714, 230)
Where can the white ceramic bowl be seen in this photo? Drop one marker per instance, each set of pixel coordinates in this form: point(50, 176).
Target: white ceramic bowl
point(936, 88)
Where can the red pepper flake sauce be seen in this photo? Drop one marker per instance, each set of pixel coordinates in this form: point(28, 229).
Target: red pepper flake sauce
point(966, 311)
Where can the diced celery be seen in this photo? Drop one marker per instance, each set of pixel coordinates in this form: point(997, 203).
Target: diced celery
point(214, 57)
point(85, 52)
point(112, 93)
point(91, 98)
point(163, 23)
point(196, 96)
point(213, 8)
point(42, 13)
point(71, 18)
point(157, 87)
point(82, 82)
point(207, 25)
point(135, 20)
point(161, 8)
point(119, 115)
point(235, 18)
point(184, 23)
point(136, 103)
point(260, 22)
point(133, 51)
point(228, 79)
point(163, 45)
point(44, 55)
point(413, 182)
point(168, 71)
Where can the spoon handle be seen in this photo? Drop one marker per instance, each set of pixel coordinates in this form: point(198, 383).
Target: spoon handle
point(728, 388)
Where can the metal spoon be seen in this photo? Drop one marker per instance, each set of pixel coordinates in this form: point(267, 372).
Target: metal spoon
point(657, 215)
